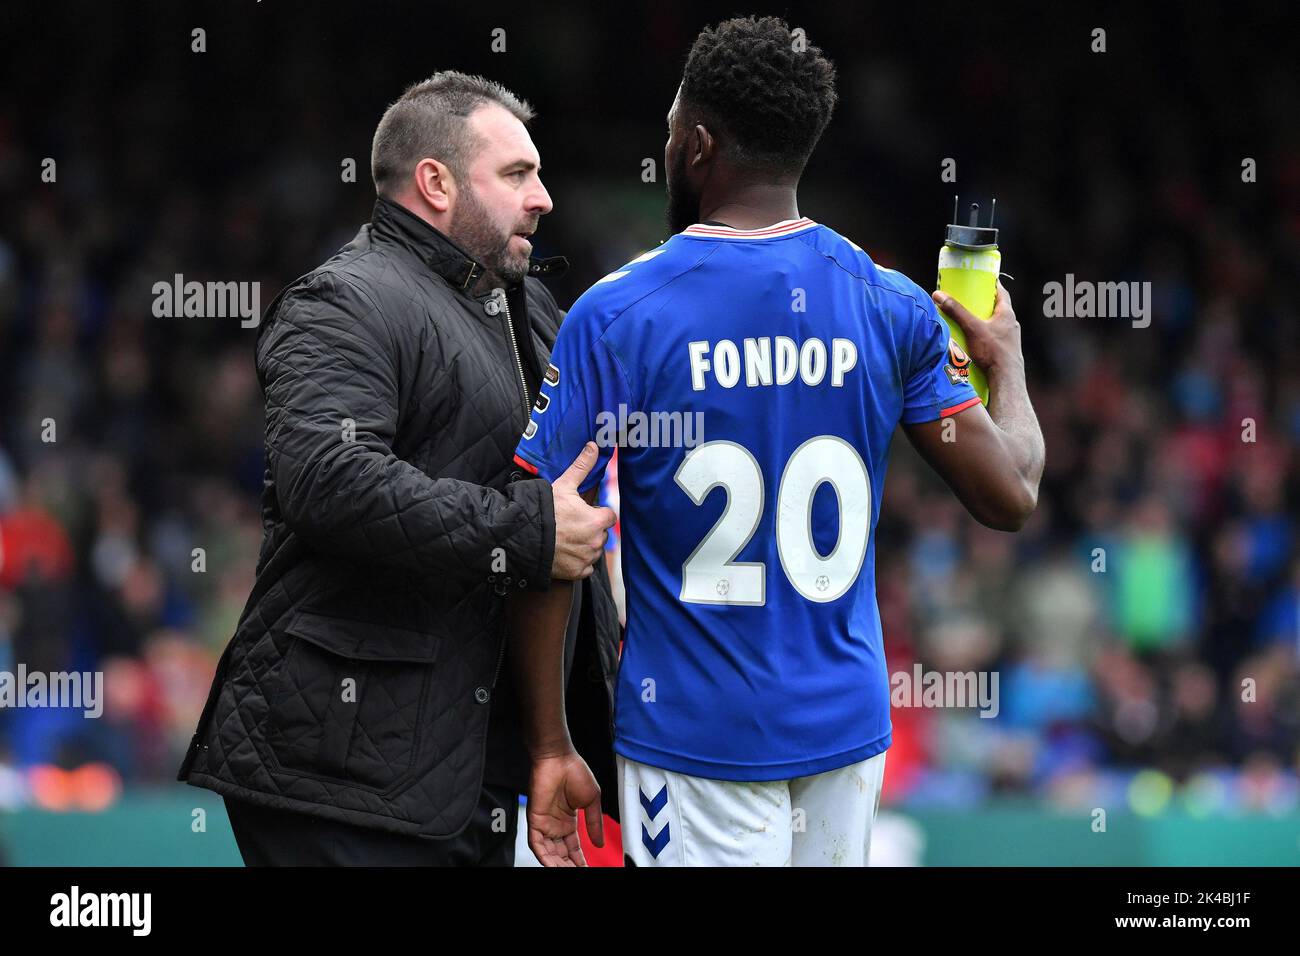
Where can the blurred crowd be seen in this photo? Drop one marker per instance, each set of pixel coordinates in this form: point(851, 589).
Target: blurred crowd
point(1145, 627)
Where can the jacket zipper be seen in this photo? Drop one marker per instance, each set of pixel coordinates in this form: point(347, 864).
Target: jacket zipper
point(504, 302)
point(514, 348)
point(501, 656)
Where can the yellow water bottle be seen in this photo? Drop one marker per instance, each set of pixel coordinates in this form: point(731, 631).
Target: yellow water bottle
point(969, 264)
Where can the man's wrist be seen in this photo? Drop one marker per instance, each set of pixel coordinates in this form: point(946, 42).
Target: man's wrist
point(1008, 371)
point(557, 746)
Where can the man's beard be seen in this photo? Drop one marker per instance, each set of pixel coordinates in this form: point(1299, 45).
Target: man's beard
point(475, 232)
point(683, 205)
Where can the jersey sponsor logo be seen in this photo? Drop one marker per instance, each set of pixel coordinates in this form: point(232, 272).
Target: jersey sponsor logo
point(958, 355)
point(958, 367)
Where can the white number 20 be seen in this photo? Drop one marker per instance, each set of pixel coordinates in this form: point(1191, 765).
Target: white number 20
point(711, 576)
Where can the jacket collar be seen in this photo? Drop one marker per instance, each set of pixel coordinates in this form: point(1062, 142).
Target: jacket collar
point(394, 223)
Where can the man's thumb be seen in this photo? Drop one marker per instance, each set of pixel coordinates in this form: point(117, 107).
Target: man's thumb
point(595, 821)
point(582, 465)
point(955, 311)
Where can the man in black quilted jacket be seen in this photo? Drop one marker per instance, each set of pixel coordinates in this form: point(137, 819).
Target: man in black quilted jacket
point(363, 712)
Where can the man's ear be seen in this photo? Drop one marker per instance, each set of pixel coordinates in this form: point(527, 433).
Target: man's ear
point(701, 145)
point(435, 184)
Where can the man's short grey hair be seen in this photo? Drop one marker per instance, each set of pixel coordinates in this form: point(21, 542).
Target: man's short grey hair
point(430, 121)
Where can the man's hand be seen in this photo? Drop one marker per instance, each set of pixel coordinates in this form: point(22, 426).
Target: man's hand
point(993, 345)
point(580, 529)
point(560, 785)
point(993, 458)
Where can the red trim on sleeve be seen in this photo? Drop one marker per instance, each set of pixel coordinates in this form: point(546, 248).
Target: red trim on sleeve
point(952, 410)
point(532, 469)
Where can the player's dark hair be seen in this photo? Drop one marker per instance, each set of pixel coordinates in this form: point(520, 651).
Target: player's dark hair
point(768, 90)
point(429, 120)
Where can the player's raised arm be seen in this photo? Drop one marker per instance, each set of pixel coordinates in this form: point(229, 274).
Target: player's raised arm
point(993, 460)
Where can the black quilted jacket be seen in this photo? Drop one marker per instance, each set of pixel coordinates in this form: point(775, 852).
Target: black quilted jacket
point(361, 675)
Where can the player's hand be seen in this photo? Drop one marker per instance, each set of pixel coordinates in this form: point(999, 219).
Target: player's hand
point(559, 786)
point(991, 344)
point(580, 529)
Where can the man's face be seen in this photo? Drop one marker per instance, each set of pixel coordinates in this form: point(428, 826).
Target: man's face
point(502, 198)
point(683, 197)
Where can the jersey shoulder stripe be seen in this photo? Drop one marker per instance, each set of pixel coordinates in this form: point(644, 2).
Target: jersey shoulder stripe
point(850, 257)
point(643, 277)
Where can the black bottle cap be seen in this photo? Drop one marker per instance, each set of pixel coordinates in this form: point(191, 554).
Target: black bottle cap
point(972, 235)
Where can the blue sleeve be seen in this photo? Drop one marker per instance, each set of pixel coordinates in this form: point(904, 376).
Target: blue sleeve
point(937, 383)
point(580, 399)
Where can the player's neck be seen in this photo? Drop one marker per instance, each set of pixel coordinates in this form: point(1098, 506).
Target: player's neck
point(753, 206)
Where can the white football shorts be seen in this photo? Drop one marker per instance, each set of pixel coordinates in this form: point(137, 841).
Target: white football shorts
point(672, 819)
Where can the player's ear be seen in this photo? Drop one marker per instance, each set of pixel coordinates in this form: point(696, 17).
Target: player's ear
point(702, 145)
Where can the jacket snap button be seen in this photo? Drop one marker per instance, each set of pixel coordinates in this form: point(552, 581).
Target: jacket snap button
point(499, 588)
point(516, 475)
point(481, 694)
point(523, 583)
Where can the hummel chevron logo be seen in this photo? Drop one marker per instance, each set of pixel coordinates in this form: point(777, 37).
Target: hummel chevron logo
point(652, 807)
point(656, 845)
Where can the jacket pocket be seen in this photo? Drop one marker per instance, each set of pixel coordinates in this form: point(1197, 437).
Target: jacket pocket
point(347, 702)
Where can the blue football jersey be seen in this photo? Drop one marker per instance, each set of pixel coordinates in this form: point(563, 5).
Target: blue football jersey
point(752, 381)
